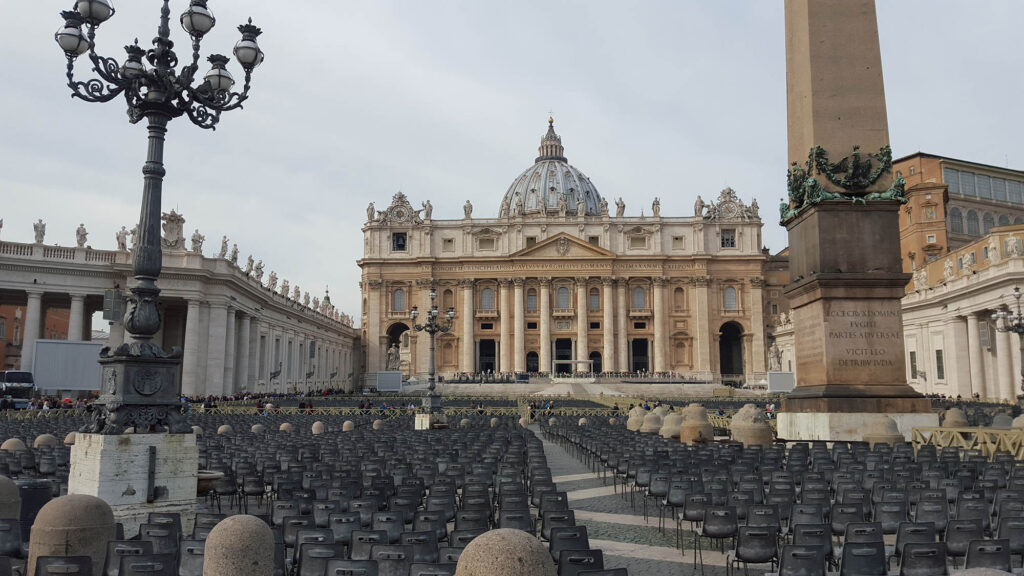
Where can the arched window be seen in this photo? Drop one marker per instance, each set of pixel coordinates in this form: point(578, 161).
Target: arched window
point(594, 300)
point(562, 299)
point(487, 299)
point(988, 223)
point(956, 221)
point(398, 300)
point(531, 300)
point(729, 298)
point(973, 228)
point(448, 299)
point(1004, 220)
point(639, 298)
point(678, 299)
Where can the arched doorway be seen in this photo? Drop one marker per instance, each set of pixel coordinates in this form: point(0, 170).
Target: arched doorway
point(730, 349)
point(532, 362)
point(595, 363)
point(399, 340)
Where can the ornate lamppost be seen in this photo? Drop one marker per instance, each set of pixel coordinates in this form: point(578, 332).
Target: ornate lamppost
point(1008, 321)
point(142, 382)
point(432, 402)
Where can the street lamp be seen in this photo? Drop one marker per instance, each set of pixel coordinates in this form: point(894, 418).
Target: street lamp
point(432, 326)
point(141, 382)
point(1007, 321)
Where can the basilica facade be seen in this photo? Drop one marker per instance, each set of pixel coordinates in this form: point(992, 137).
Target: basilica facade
point(560, 282)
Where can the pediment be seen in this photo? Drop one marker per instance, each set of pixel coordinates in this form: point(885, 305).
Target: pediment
point(563, 245)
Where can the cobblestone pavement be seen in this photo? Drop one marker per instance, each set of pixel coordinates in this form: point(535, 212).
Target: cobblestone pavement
point(618, 527)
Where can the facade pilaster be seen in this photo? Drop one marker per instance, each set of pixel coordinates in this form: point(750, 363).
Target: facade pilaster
point(215, 350)
point(424, 286)
point(505, 338)
point(374, 319)
point(1004, 367)
point(958, 365)
point(582, 351)
point(190, 384)
point(230, 346)
point(33, 327)
point(621, 339)
point(242, 356)
point(757, 325)
point(468, 363)
point(704, 335)
point(519, 353)
point(659, 325)
point(608, 360)
point(76, 318)
point(254, 353)
point(545, 325)
point(974, 352)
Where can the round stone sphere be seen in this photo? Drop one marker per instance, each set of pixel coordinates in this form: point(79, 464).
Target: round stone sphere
point(524, 421)
point(505, 552)
point(955, 418)
point(268, 407)
point(239, 546)
point(69, 440)
point(198, 431)
point(318, 428)
point(45, 440)
point(348, 426)
point(258, 429)
point(225, 429)
point(670, 425)
point(582, 422)
point(552, 421)
point(378, 424)
point(464, 423)
point(1018, 422)
point(73, 525)
point(1002, 421)
point(10, 499)
point(13, 445)
point(651, 424)
point(286, 427)
point(494, 422)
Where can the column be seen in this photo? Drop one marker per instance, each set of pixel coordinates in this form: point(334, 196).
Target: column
point(704, 335)
point(958, 369)
point(468, 363)
point(424, 286)
point(505, 338)
point(582, 326)
point(545, 325)
point(1004, 388)
point(757, 326)
point(215, 351)
point(33, 324)
point(116, 334)
point(519, 354)
point(190, 361)
point(254, 353)
point(242, 356)
point(608, 358)
point(621, 340)
point(374, 316)
point(974, 354)
point(76, 319)
point(660, 339)
point(230, 345)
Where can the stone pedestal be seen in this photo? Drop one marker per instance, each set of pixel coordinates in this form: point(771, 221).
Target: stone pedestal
point(430, 421)
point(138, 474)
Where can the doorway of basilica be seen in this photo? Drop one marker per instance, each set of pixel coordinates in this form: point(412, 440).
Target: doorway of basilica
point(488, 356)
point(640, 355)
point(563, 351)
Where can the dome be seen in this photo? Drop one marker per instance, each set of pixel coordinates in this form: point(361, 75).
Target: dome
point(541, 188)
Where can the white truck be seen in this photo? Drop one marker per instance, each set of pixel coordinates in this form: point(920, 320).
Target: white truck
point(69, 369)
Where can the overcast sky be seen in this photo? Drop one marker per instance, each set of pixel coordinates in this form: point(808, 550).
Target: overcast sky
point(448, 101)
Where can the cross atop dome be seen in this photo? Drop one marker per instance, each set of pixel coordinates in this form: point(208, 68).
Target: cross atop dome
point(551, 145)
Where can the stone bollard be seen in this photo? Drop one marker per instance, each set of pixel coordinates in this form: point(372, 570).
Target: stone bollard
point(552, 421)
point(286, 427)
point(582, 422)
point(750, 427)
point(239, 546)
point(318, 428)
point(348, 426)
point(652, 423)
point(464, 423)
point(505, 552)
point(378, 424)
point(661, 411)
point(10, 500)
point(1002, 421)
point(45, 440)
point(494, 422)
point(69, 440)
point(670, 425)
point(955, 418)
point(1018, 422)
point(636, 419)
point(197, 431)
point(695, 427)
point(524, 421)
point(258, 429)
point(13, 445)
point(73, 525)
point(886, 432)
point(225, 430)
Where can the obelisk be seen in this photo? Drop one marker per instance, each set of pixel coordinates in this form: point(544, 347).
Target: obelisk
point(842, 218)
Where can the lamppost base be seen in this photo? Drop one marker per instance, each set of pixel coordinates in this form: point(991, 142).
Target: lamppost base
point(430, 421)
point(432, 403)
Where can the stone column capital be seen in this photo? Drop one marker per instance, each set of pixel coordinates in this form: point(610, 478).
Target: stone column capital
point(607, 280)
point(545, 281)
point(518, 282)
point(466, 283)
point(504, 282)
point(581, 281)
point(658, 281)
point(757, 281)
point(425, 283)
point(702, 281)
point(374, 284)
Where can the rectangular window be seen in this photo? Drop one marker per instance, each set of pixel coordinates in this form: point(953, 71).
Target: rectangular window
point(3, 328)
point(952, 180)
point(530, 241)
point(940, 366)
point(485, 243)
point(487, 326)
point(729, 238)
point(531, 302)
point(930, 213)
point(931, 238)
point(595, 325)
point(639, 325)
point(967, 183)
point(594, 301)
point(531, 325)
point(984, 252)
point(984, 334)
point(677, 243)
point(913, 364)
point(775, 309)
point(398, 241)
point(448, 245)
point(984, 185)
point(999, 189)
point(638, 242)
point(1013, 192)
point(595, 240)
